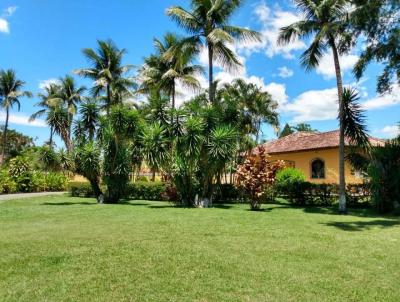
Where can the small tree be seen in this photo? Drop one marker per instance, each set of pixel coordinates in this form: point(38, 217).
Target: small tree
point(255, 175)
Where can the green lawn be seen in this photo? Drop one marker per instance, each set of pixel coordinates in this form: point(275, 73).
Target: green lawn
point(70, 249)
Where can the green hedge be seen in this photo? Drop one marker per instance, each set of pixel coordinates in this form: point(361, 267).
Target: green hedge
point(140, 190)
point(32, 181)
point(226, 193)
point(306, 193)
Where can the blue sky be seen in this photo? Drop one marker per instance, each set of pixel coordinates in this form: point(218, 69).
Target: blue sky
point(42, 40)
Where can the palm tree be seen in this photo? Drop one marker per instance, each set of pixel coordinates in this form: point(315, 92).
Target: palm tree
point(327, 22)
point(71, 95)
point(162, 73)
point(57, 119)
point(48, 100)
point(253, 106)
point(10, 94)
point(107, 72)
point(208, 26)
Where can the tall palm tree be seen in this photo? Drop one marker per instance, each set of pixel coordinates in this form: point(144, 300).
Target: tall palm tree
point(107, 71)
point(163, 73)
point(57, 119)
point(10, 94)
point(207, 23)
point(327, 22)
point(71, 95)
point(48, 100)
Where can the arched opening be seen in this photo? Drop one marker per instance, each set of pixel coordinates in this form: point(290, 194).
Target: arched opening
point(317, 169)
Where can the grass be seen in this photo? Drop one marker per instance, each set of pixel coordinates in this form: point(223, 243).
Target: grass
point(70, 249)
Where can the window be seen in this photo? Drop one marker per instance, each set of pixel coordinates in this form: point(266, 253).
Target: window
point(317, 169)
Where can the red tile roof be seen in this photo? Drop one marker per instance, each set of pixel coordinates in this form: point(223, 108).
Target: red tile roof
point(302, 141)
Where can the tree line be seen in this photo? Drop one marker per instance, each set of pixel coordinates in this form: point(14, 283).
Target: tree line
point(107, 132)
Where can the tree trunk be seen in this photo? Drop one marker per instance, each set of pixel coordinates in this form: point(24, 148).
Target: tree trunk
point(153, 177)
point(51, 137)
point(3, 153)
point(108, 99)
point(69, 132)
point(173, 104)
point(258, 130)
point(97, 191)
point(342, 179)
point(210, 74)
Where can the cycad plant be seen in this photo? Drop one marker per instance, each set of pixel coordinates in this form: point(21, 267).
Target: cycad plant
point(119, 134)
point(207, 23)
point(10, 95)
point(90, 117)
point(202, 153)
point(327, 23)
point(155, 147)
point(87, 160)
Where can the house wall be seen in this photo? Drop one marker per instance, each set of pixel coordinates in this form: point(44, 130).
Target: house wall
point(302, 161)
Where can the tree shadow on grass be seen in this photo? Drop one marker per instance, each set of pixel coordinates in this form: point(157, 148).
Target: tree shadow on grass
point(171, 206)
point(222, 206)
point(86, 203)
point(354, 226)
point(130, 203)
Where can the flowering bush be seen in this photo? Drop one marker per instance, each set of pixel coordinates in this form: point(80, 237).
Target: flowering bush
point(255, 175)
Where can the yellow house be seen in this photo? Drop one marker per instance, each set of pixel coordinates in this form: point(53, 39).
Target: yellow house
point(316, 154)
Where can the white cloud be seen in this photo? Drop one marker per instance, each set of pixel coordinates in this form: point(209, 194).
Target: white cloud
point(46, 83)
point(386, 100)
point(326, 67)
point(4, 24)
point(314, 105)
point(23, 119)
point(272, 21)
point(285, 72)
point(390, 131)
point(9, 11)
point(4, 27)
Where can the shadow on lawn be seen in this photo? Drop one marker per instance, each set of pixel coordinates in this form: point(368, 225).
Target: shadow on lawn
point(68, 203)
point(353, 226)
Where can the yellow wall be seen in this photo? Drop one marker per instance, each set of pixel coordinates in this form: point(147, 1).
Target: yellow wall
point(302, 161)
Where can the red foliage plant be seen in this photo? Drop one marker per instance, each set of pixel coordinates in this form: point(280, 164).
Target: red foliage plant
point(256, 174)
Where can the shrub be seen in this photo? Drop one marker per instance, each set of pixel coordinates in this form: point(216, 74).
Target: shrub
point(142, 178)
point(80, 189)
point(359, 195)
point(7, 184)
point(306, 193)
point(291, 183)
point(146, 191)
point(36, 182)
point(384, 171)
point(255, 175)
point(135, 191)
point(56, 182)
point(226, 193)
point(19, 166)
point(290, 175)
